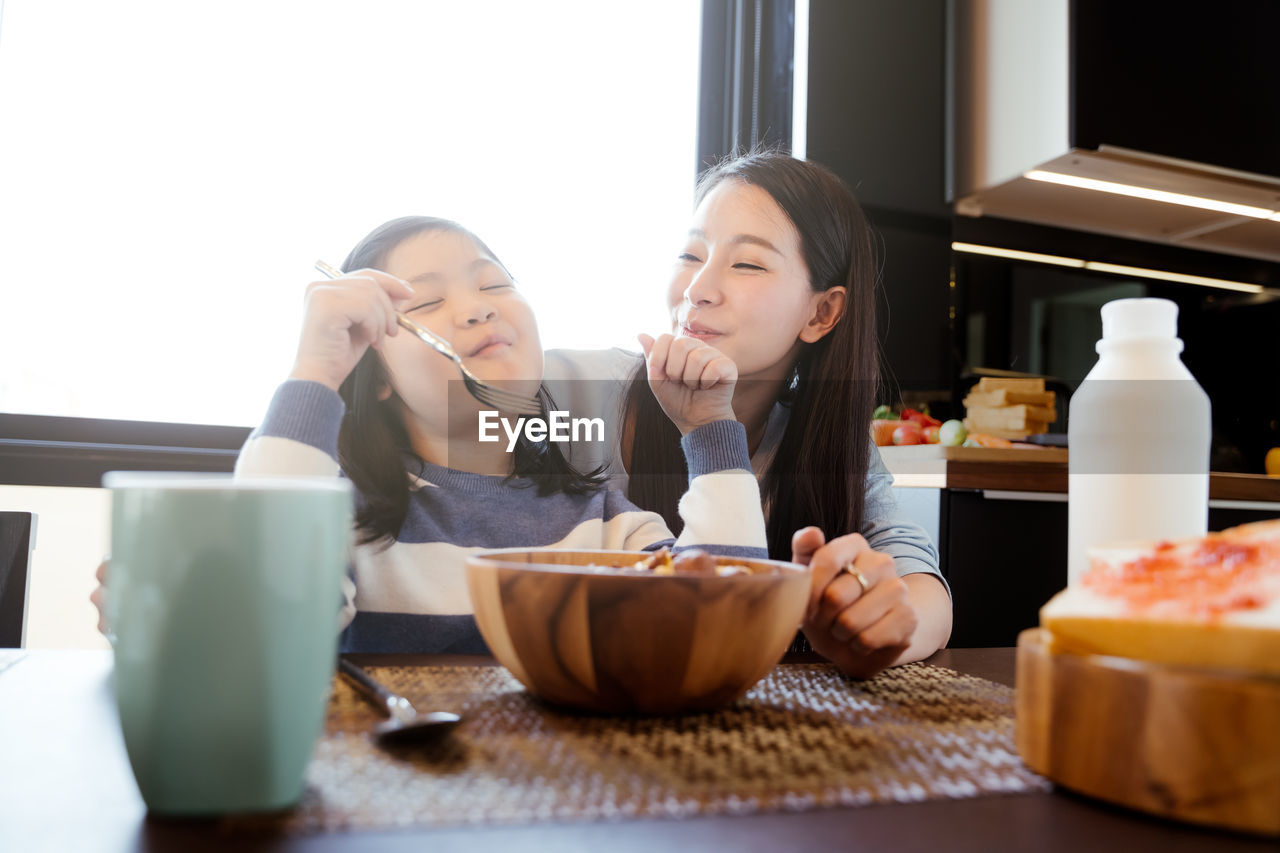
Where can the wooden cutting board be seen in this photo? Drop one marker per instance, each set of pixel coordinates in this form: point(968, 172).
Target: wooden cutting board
point(1196, 745)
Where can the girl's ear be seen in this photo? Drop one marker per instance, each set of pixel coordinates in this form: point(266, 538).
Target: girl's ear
point(384, 393)
point(827, 309)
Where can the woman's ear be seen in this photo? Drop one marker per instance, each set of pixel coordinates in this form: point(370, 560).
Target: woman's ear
point(384, 392)
point(826, 310)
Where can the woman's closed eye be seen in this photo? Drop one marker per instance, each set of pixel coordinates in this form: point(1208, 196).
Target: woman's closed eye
point(743, 265)
point(431, 303)
point(499, 285)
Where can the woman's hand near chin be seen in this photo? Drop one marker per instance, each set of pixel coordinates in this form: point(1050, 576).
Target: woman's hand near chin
point(693, 381)
point(861, 615)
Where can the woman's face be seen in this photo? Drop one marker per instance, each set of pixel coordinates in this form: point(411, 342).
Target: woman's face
point(466, 298)
point(741, 283)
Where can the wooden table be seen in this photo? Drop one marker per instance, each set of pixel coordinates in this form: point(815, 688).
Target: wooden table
point(65, 785)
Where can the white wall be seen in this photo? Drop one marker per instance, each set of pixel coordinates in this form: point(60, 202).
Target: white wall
point(72, 532)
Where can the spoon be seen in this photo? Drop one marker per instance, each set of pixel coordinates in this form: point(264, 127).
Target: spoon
point(404, 724)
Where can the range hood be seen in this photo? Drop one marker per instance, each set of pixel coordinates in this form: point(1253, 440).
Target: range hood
point(1119, 118)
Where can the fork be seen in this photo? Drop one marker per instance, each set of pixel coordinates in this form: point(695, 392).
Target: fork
point(506, 401)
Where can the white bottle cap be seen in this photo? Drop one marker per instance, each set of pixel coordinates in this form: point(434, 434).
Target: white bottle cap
point(1126, 319)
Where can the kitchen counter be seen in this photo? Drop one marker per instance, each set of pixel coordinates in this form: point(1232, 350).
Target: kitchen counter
point(1028, 470)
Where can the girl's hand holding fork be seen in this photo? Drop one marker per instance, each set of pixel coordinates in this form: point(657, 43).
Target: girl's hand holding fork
point(342, 318)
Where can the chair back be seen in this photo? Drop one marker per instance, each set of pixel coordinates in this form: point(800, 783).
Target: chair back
point(17, 539)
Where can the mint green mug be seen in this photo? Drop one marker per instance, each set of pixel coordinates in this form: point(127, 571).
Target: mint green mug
point(223, 599)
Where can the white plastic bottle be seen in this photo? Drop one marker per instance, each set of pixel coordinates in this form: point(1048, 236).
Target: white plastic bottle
point(1138, 437)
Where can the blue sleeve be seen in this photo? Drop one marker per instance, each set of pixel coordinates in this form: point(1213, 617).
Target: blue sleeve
point(721, 508)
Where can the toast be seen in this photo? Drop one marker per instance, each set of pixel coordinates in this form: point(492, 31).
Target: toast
point(1007, 397)
point(1211, 601)
point(1034, 428)
point(994, 383)
point(1009, 417)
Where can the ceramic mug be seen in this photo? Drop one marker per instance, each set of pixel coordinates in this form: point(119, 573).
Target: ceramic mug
point(223, 601)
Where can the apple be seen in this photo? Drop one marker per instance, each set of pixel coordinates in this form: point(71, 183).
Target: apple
point(908, 433)
point(952, 433)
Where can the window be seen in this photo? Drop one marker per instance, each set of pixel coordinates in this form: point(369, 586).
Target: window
point(169, 172)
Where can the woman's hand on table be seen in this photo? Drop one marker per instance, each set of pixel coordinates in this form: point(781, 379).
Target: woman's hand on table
point(693, 381)
point(860, 615)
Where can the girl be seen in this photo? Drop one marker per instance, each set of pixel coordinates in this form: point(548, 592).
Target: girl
point(380, 406)
point(778, 273)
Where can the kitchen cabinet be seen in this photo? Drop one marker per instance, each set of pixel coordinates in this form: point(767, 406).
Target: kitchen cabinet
point(875, 115)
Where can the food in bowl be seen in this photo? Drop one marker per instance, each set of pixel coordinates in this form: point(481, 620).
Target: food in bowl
point(692, 561)
point(1209, 601)
point(592, 630)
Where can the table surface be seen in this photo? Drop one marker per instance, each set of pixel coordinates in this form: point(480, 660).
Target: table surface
point(65, 784)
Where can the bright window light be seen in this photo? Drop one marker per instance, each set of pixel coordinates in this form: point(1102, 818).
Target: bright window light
point(800, 80)
point(170, 171)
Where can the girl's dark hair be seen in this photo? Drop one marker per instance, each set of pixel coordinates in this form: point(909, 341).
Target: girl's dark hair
point(373, 443)
point(818, 475)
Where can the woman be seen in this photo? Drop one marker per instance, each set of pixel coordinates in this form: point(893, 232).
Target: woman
point(778, 273)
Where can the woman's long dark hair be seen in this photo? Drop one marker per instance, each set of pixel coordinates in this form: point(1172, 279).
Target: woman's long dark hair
point(373, 443)
point(818, 475)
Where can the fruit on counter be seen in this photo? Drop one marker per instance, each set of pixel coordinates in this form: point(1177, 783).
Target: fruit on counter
point(1272, 463)
point(882, 431)
point(908, 432)
point(952, 433)
point(921, 418)
point(888, 429)
point(980, 439)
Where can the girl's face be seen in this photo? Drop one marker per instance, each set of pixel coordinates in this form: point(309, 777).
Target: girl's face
point(466, 298)
point(742, 286)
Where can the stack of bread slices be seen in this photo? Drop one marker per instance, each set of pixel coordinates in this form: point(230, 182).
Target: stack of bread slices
point(1009, 408)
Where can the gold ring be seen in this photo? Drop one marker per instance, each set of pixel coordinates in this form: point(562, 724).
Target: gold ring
point(858, 576)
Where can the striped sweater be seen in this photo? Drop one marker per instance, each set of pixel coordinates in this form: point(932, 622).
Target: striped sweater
point(411, 595)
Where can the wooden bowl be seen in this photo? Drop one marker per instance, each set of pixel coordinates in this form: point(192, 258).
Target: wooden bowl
point(633, 643)
point(1192, 744)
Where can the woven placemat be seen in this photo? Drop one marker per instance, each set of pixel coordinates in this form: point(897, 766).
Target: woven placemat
point(805, 737)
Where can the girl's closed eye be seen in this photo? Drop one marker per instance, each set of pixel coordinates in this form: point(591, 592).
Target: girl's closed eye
point(499, 285)
point(689, 257)
point(431, 303)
